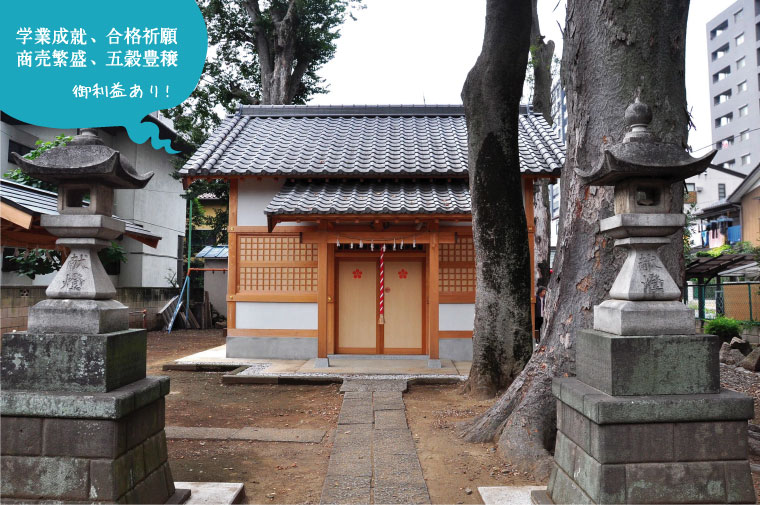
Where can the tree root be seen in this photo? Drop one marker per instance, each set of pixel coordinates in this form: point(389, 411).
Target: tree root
point(488, 426)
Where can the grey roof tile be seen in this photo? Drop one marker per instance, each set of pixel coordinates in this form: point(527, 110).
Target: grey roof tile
point(405, 196)
point(320, 141)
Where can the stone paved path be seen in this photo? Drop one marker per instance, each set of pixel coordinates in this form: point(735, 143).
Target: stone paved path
point(373, 458)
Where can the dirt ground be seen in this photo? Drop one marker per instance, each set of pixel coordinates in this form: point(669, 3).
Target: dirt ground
point(451, 466)
point(294, 472)
point(280, 472)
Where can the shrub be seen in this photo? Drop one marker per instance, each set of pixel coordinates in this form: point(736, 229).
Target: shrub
point(725, 327)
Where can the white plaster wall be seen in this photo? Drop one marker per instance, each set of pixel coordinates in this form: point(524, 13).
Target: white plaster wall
point(456, 316)
point(13, 279)
point(253, 198)
point(276, 316)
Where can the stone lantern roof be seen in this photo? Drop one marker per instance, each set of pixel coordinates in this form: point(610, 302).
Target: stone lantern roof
point(641, 154)
point(86, 157)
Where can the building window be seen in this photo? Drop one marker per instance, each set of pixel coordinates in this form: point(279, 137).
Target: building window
point(740, 40)
point(746, 159)
point(15, 147)
point(718, 30)
point(721, 74)
point(728, 164)
point(738, 15)
point(743, 111)
point(742, 87)
point(720, 52)
point(741, 63)
point(725, 143)
point(744, 135)
point(722, 98)
point(724, 120)
point(722, 191)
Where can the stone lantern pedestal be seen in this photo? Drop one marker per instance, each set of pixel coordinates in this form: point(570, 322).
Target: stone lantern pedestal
point(80, 421)
point(645, 420)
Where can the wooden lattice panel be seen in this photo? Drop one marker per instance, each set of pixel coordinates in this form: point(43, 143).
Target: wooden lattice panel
point(462, 251)
point(276, 264)
point(275, 249)
point(279, 279)
point(456, 279)
point(456, 273)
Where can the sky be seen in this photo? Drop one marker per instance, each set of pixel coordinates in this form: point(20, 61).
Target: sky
point(419, 51)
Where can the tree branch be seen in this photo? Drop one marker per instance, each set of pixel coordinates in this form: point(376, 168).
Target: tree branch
point(262, 44)
point(301, 67)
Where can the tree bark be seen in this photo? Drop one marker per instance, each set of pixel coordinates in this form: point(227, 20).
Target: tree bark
point(491, 96)
point(613, 52)
point(281, 74)
point(542, 54)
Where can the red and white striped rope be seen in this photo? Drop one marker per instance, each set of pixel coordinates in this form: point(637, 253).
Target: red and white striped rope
point(382, 277)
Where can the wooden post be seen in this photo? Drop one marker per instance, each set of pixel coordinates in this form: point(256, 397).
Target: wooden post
point(322, 300)
point(232, 254)
point(330, 299)
point(432, 298)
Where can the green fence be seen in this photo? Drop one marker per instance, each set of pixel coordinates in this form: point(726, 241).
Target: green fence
point(737, 300)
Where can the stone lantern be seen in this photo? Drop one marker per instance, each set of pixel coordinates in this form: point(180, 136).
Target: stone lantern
point(645, 420)
point(82, 291)
point(80, 421)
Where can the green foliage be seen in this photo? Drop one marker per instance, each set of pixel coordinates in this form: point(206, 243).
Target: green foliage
point(34, 262)
point(113, 254)
point(724, 327)
point(42, 146)
point(737, 248)
point(18, 176)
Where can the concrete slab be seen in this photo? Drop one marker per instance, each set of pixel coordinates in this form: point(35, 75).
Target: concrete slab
point(248, 433)
point(507, 495)
point(212, 493)
point(362, 384)
point(390, 420)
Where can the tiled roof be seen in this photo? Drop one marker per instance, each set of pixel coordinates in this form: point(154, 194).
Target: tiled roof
point(40, 201)
point(390, 141)
point(404, 196)
point(214, 252)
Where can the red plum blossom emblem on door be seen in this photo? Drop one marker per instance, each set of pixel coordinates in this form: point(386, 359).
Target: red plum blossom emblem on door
point(357, 274)
point(402, 274)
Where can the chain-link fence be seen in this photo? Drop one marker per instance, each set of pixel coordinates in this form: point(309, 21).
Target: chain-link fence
point(737, 300)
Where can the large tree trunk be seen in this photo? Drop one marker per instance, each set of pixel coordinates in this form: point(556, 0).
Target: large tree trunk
point(491, 96)
point(542, 54)
point(613, 52)
point(281, 74)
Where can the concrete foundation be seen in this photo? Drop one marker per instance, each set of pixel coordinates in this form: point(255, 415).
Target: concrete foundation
point(638, 365)
point(86, 446)
point(608, 449)
point(455, 349)
point(272, 347)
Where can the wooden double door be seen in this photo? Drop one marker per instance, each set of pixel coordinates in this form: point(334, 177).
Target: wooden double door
point(358, 288)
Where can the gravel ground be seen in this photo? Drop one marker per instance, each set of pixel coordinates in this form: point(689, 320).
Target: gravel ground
point(740, 380)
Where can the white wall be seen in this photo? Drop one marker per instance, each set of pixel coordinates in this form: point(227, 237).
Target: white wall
point(456, 316)
point(253, 198)
point(276, 316)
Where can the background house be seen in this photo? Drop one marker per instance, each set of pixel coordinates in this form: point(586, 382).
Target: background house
point(158, 209)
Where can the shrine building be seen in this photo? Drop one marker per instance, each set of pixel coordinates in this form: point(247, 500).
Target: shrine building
point(315, 194)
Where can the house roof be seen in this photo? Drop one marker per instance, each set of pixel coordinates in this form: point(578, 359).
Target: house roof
point(34, 202)
point(405, 196)
point(359, 140)
point(708, 267)
point(214, 252)
point(746, 186)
